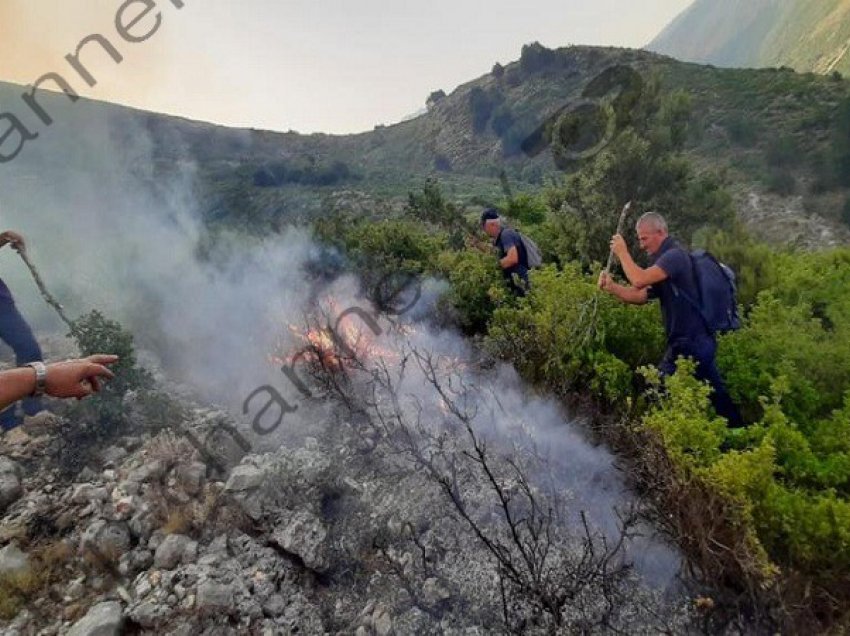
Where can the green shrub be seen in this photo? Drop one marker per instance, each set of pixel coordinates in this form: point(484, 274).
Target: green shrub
point(567, 335)
point(783, 152)
point(781, 181)
point(742, 130)
point(477, 287)
point(395, 245)
point(94, 333)
point(525, 209)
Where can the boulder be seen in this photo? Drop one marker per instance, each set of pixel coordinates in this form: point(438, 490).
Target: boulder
point(10, 482)
point(174, 550)
point(86, 493)
point(244, 478)
point(104, 619)
point(147, 472)
point(215, 597)
point(191, 477)
point(10, 490)
point(113, 455)
point(304, 534)
point(106, 541)
point(13, 560)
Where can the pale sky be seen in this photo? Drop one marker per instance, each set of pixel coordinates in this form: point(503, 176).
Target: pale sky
point(334, 66)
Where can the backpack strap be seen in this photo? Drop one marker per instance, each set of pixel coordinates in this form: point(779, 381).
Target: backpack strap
point(693, 302)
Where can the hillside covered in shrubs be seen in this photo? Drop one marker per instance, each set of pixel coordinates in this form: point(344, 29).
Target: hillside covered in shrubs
point(765, 509)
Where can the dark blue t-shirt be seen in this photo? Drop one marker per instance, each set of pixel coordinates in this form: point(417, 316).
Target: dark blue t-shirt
point(681, 319)
point(507, 239)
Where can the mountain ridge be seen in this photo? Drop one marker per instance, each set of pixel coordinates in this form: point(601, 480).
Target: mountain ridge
point(466, 139)
point(806, 35)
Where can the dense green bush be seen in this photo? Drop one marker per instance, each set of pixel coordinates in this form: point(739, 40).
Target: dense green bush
point(782, 181)
point(477, 287)
point(395, 245)
point(743, 130)
point(569, 336)
point(783, 152)
point(841, 144)
point(94, 333)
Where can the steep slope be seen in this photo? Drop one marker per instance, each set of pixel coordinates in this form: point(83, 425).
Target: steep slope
point(807, 35)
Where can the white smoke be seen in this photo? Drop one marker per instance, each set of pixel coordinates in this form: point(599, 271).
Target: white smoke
point(110, 232)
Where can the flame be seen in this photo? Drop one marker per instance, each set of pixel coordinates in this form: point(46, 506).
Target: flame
point(336, 347)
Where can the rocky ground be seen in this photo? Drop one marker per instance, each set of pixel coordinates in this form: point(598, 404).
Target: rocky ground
point(324, 532)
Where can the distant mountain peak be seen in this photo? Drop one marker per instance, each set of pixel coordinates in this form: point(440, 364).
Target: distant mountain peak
point(807, 35)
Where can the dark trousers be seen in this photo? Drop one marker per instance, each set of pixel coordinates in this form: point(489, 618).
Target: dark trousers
point(16, 333)
point(703, 349)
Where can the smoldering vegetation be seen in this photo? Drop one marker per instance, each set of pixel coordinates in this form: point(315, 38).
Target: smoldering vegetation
point(440, 487)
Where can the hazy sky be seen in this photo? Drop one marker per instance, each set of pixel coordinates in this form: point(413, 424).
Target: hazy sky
point(308, 65)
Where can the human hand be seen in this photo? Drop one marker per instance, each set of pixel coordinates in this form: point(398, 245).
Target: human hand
point(618, 246)
point(14, 238)
point(78, 378)
point(605, 281)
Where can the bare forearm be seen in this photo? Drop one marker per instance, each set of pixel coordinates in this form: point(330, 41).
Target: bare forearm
point(634, 273)
point(16, 384)
point(631, 295)
point(511, 259)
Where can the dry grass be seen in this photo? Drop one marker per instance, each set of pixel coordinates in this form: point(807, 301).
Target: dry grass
point(180, 520)
point(47, 567)
point(171, 450)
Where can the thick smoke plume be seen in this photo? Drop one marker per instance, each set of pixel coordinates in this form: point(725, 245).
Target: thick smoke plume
point(110, 232)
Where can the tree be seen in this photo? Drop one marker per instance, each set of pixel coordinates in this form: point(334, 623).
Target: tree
point(841, 144)
point(435, 98)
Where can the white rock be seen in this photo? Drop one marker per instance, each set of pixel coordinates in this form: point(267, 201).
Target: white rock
point(175, 549)
point(13, 560)
point(244, 477)
point(104, 619)
point(304, 534)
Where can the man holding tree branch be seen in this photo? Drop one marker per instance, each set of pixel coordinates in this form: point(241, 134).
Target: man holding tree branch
point(671, 280)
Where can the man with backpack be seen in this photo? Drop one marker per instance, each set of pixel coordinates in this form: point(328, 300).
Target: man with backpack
point(517, 254)
point(673, 279)
point(513, 258)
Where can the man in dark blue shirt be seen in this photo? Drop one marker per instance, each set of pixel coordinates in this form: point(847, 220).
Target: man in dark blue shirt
point(16, 333)
point(513, 259)
point(671, 280)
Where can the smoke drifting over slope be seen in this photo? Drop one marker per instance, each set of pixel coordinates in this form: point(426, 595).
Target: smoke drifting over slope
point(122, 239)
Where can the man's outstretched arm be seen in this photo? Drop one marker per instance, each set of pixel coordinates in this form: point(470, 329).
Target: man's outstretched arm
point(74, 378)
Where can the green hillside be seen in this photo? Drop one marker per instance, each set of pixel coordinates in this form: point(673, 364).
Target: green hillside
point(807, 35)
point(773, 136)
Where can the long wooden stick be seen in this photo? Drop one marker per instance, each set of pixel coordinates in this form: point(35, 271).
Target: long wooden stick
point(48, 297)
point(620, 227)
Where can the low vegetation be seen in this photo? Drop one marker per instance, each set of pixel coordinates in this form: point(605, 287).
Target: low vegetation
point(779, 490)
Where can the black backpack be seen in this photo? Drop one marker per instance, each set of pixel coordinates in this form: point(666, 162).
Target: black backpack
point(718, 293)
